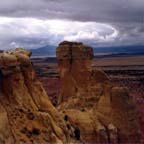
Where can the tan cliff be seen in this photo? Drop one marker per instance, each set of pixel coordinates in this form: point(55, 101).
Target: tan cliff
point(26, 113)
point(101, 112)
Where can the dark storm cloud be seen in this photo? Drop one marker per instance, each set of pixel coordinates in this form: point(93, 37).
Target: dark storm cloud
point(125, 16)
point(85, 10)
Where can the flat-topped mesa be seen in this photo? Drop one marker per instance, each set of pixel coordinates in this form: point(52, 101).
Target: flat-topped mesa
point(26, 113)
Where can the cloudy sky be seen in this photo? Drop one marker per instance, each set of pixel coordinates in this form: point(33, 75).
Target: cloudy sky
point(36, 23)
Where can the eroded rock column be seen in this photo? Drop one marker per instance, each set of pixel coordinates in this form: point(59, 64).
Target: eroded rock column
point(102, 112)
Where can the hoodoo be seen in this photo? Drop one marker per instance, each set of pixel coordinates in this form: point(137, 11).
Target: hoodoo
point(102, 112)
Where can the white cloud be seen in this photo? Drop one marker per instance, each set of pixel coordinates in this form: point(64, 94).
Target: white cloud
point(14, 44)
point(32, 32)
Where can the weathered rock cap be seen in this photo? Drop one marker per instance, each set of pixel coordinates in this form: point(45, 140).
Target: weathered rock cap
point(14, 57)
point(70, 43)
point(73, 50)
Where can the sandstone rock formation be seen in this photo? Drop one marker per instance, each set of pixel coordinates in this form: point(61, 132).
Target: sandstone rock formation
point(94, 109)
point(26, 113)
point(90, 109)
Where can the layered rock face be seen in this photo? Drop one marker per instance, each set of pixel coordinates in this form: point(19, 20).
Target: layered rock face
point(26, 113)
point(94, 109)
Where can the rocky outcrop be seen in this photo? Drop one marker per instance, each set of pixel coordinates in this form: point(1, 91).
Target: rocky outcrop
point(90, 109)
point(78, 79)
point(95, 109)
point(26, 113)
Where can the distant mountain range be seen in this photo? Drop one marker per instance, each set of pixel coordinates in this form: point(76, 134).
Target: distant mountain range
point(120, 49)
point(46, 50)
point(50, 50)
